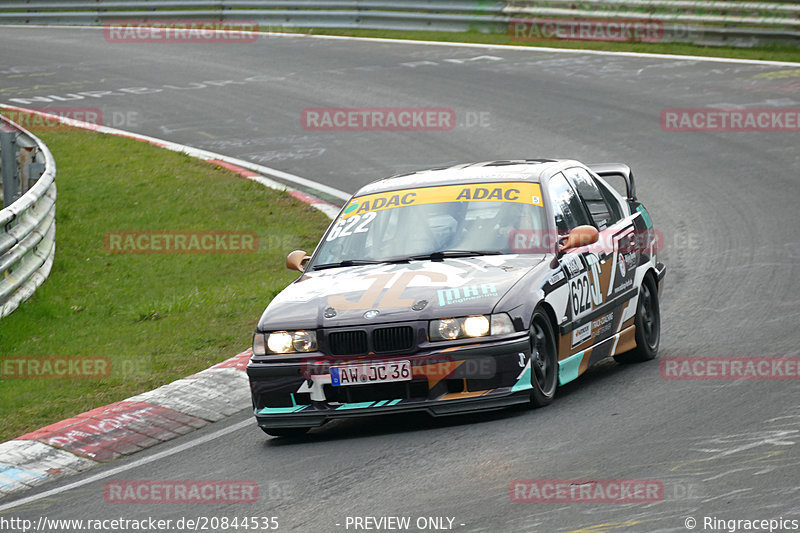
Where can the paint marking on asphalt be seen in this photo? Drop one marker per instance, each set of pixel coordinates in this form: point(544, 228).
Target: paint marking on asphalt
point(195, 152)
point(128, 466)
point(468, 45)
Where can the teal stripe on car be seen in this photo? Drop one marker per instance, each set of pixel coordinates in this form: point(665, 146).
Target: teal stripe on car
point(524, 381)
point(359, 405)
point(645, 216)
point(281, 410)
point(568, 368)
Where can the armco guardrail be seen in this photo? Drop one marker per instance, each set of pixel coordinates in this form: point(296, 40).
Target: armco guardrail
point(706, 22)
point(711, 23)
point(27, 224)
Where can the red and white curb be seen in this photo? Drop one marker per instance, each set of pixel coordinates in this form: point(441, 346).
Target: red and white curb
point(123, 428)
point(131, 425)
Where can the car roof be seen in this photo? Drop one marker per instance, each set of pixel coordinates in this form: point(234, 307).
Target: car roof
point(533, 170)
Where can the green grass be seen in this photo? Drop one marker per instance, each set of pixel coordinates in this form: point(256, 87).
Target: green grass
point(158, 317)
point(773, 53)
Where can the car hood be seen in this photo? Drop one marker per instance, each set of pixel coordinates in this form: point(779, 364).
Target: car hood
point(419, 290)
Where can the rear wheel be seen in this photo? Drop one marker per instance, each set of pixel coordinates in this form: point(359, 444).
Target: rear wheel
point(648, 325)
point(285, 432)
point(544, 360)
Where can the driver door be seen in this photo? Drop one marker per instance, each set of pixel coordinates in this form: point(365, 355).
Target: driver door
point(586, 320)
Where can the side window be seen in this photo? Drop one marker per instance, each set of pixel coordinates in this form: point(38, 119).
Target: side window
point(614, 208)
point(592, 196)
point(567, 207)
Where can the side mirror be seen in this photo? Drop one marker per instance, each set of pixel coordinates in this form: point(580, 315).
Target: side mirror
point(297, 260)
point(581, 236)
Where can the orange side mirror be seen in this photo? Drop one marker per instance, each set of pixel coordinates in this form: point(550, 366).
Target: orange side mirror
point(581, 236)
point(297, 260)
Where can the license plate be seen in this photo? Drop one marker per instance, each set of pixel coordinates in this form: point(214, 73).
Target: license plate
point(364, 373)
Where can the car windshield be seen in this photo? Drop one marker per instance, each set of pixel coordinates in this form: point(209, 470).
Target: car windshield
point(433, 223)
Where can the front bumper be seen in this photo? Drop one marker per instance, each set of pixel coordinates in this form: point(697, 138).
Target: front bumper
point(446, 381)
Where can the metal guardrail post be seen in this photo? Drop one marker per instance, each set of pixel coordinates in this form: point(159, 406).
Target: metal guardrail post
point(27, 169)
point(8, 165)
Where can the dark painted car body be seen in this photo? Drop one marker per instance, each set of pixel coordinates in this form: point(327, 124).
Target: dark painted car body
point(389, 311)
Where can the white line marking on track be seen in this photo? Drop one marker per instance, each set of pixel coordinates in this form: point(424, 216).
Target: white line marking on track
point(129, 466)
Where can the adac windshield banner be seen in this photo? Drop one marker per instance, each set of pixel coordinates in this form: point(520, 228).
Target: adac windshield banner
point(513, 192)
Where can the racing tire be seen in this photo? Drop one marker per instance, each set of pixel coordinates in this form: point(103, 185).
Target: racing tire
point(648, 326)
point(285, 432)
point(544, 360)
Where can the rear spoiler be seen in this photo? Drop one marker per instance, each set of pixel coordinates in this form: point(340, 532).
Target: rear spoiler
point(620, 170)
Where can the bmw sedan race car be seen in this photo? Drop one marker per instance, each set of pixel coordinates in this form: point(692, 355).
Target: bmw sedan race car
point(460, 289)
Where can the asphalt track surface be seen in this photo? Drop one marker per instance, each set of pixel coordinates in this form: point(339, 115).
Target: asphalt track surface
point(726, 202)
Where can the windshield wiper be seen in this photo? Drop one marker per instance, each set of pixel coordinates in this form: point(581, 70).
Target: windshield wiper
point(347, 263)
point(357, 262)
point(441, 254)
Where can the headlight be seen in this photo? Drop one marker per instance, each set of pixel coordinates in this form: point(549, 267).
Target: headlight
point(447, 329)
point(476, 326)
point(304, 341)
point(280, 342)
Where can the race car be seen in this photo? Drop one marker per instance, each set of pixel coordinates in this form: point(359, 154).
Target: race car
point(461, 289)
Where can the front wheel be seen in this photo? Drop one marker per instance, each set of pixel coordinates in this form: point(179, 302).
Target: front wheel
point(648, 325)
point(544, 360)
